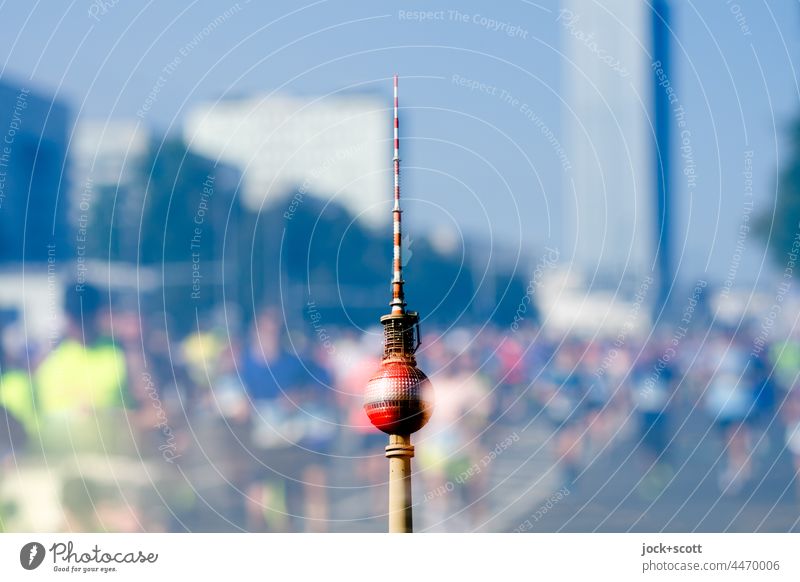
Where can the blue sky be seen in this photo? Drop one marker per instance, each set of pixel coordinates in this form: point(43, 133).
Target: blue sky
point(471, 159)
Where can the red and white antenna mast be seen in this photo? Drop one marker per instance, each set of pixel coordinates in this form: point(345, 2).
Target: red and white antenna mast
point(398, 299)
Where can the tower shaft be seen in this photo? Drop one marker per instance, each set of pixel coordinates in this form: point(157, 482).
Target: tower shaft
point(399, 451)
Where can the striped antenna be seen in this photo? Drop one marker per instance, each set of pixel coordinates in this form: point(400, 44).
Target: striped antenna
point(398, 299)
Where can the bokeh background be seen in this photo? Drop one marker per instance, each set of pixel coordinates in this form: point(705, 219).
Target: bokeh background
point(602, 228)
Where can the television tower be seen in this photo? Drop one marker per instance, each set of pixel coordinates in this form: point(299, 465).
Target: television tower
point(399, 397)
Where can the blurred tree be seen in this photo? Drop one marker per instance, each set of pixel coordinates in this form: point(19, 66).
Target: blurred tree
point(106, 220)
point(182, 217)
point(190, 218)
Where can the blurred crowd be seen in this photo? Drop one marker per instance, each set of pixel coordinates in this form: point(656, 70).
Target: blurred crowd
point(119, 427)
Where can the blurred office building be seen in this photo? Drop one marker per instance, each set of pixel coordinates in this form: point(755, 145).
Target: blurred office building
point(33, 180)
point(617, 212)
point(107, 161)
point(334, 147)
point(108, 154)
point(618, 120)
point(33, 153)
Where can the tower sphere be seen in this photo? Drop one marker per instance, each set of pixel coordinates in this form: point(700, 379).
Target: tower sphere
point(399, 398)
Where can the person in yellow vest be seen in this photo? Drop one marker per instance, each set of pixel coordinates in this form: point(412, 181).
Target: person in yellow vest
point(16, 393)
point(86, 373)
point(82, 405)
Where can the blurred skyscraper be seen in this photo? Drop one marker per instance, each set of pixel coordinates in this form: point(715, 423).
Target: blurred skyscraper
point(33, 153)
point(337, 146)
point(663, 112)
point(108, 153)
point(107, 159)
point(617, 123)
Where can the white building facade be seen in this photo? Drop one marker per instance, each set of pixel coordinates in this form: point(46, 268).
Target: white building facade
point(336, 147)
